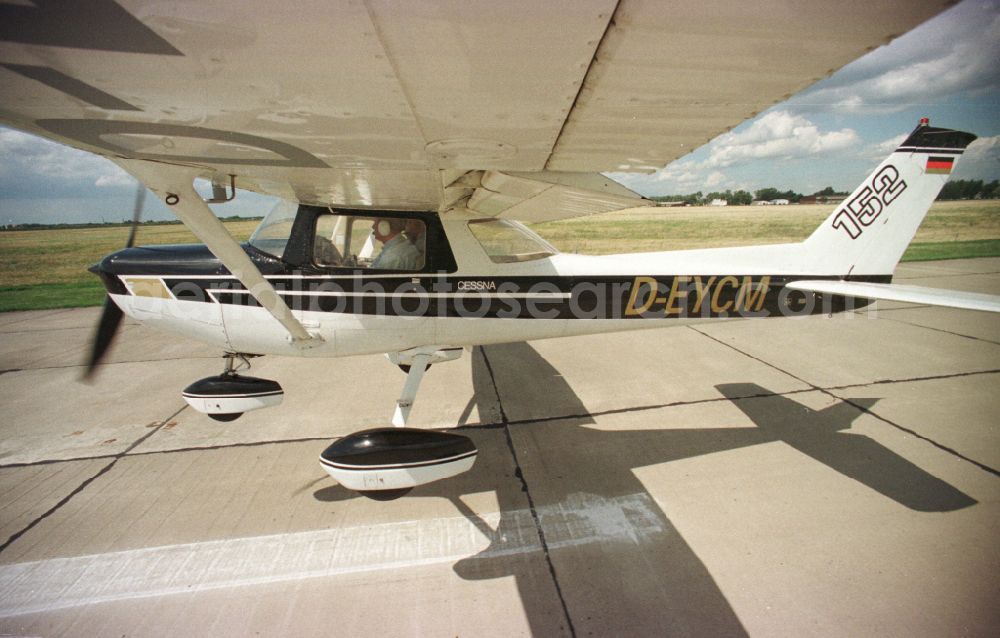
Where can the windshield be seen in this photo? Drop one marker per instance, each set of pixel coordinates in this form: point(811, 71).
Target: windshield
point(275, 229)
point(508, 241)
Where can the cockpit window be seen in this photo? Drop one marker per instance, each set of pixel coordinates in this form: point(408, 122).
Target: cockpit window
point(363, 242)
point(275, 229)
point(508, 241)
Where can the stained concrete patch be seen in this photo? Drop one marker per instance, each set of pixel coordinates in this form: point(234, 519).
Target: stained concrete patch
point(50, 414)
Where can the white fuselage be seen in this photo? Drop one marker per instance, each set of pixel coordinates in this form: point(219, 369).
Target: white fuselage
point(245, 328)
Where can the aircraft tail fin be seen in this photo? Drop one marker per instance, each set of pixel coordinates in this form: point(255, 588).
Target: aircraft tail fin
point(869, 231)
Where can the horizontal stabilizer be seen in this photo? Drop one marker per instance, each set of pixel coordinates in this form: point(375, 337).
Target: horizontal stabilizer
point(907, 294)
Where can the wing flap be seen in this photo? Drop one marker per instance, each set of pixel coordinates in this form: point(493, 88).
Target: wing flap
point(906, 294)
point(546, 199)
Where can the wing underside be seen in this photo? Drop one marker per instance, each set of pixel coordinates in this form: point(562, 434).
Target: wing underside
point(386, 104)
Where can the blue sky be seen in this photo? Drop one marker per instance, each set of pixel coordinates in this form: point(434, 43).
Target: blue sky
point(835, 132)
point(831, 134)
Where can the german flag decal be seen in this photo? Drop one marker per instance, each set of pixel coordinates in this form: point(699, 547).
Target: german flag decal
point(940, 165)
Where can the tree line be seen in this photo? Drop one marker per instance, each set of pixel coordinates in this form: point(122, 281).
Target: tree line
point(741, 197)
point(122, 223)
point(970, 189)
point(954, 189)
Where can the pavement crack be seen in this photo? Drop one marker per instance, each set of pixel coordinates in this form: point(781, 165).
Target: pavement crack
point(930, 377)
point(86, 483)
point(506, 422)
point(527, 492)
point(947, 332)
point(863, 409)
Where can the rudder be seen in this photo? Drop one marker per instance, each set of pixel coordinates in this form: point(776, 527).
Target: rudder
point(869, 231)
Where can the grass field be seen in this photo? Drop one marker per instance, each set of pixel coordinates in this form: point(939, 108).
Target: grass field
point(48, 268)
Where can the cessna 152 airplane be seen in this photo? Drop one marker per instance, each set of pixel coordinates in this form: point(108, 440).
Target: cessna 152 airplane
point(408, 142)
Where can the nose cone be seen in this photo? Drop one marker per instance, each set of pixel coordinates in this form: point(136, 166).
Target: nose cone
point(105, 265)
point(106, 271)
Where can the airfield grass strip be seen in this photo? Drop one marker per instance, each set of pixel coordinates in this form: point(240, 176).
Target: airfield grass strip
point(49, 296)
point(935, 250)
point(46, 268)
point(84, 294)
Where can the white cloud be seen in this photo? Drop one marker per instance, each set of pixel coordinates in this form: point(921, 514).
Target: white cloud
point(115, 179)
point(777, 135)
point(746, 159)
point(981, 160)
point(717, 178)
point(49, 166)
point(880, 150)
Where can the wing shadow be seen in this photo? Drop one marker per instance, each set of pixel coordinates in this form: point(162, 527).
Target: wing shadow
point(825, 436)
point(646, 578)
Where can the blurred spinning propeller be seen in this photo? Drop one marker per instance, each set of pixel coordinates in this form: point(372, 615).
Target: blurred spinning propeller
point(112, 315)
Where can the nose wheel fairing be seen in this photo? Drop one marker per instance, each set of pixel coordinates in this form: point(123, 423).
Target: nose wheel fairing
point(230, 394)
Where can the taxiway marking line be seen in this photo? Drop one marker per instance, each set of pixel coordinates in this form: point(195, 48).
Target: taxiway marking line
point(59, 583)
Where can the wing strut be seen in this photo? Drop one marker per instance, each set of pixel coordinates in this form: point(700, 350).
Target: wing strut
point(175, 185)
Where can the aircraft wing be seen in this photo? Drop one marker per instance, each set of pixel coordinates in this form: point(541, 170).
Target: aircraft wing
point(908, 294)
point(400, 105)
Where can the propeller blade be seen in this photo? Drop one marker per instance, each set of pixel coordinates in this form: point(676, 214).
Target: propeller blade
point(140, 199)
point(107, 327)
point(111, 317)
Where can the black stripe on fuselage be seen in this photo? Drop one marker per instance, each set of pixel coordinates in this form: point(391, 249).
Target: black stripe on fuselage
point(618, 297)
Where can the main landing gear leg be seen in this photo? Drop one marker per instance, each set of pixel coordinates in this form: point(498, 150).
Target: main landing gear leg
point(413, 378)
point(416, 362)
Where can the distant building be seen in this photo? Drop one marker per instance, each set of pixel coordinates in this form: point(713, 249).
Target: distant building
point(822, 199)
point(779, 202)
point(760, 202)
point(718, 202)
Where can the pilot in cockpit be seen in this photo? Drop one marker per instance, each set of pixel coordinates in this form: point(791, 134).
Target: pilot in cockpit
point(398, 252)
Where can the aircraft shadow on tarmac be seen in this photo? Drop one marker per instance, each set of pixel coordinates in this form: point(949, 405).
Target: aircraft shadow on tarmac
point(650, 578)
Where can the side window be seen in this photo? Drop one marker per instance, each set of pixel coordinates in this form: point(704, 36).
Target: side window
point(352, 241)
point(508, 242)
